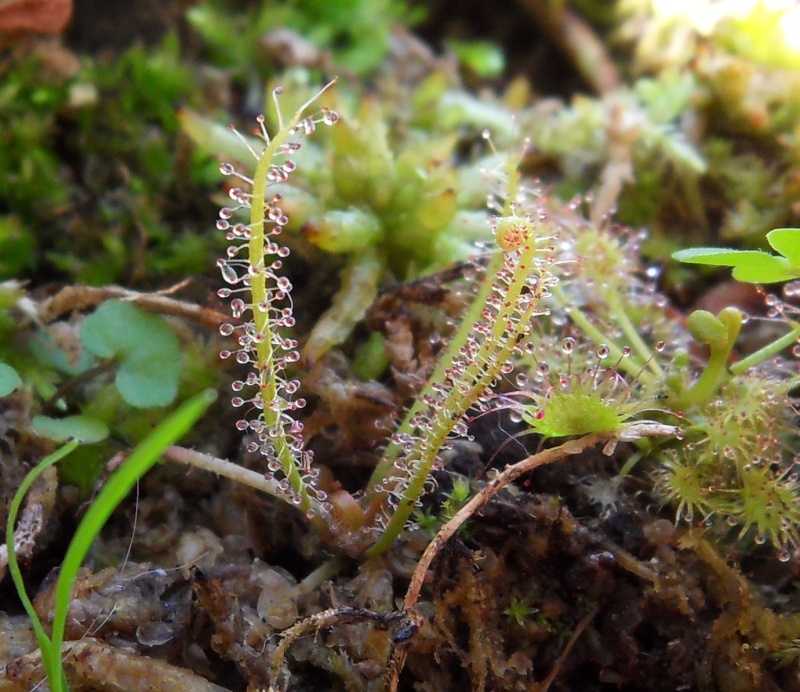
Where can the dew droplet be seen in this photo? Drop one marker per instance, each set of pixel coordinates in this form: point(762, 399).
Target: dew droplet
point(229, 274)
point(238, 306)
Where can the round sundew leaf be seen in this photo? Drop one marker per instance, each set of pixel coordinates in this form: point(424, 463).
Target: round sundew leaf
point(9, 379)
point(787, 242)
point(83, 428)
point(145, 347)
point(573, 413)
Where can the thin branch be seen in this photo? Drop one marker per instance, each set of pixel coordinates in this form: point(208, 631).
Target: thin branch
point(77, 298)
point(225, 468)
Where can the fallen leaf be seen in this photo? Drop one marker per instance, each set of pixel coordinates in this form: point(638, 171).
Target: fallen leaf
point(36, 16)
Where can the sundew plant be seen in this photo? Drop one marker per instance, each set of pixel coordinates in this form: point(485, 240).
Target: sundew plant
point(561, 321)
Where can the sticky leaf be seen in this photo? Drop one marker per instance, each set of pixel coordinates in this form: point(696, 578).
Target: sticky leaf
point(573, 413)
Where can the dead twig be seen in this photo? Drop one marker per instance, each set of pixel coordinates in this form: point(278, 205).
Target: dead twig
point(77, 298)
point(315, 622)
point(576, 39)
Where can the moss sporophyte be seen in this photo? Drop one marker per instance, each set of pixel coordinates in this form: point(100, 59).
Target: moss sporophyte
point(562, 328)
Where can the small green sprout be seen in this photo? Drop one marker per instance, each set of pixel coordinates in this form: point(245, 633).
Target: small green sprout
point(427, 521)
point(519, 610)
point(754, 266)
point(456, 498)
point(141, 459)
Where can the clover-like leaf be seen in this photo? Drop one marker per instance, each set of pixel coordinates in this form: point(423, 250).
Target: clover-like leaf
point(752, 266)
point(787, 242)
point(84, 428)
point(9, 379)
point(145, 347)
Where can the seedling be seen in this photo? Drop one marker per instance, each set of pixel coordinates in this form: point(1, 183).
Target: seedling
point(752, 267)
point(519, 610)
point(141, 459)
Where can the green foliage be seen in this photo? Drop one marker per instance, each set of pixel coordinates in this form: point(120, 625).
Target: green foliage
point(519, 610)
point(356, 32)
point(9, 379)
point(144, 347)
point(750, 265)
point(51, 657)
point(83, 428)
point(387, 193)
point(87, 165)
point(732, 468)
point(623, 354)
point(30, 183)
point(17, 245)
point(456, 498)
point(141, 459)
point(483, 58)
point(88, 378)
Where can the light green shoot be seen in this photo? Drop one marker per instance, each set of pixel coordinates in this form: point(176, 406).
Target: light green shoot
point(146, 454)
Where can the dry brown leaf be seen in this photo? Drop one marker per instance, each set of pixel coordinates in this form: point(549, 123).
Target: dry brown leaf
point(36, 16)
